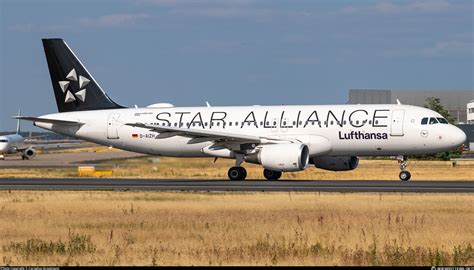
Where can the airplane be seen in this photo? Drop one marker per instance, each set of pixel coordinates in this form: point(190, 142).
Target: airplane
point(280, 138)
point(15, 143)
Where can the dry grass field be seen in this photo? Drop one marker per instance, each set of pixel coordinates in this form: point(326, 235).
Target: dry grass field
point(205, 168)
point(193, 228)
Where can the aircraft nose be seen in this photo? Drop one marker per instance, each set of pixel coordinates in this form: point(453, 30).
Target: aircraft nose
point(458, 136)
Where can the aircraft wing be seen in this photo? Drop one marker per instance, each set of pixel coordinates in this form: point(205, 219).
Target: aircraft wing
point(197, 134)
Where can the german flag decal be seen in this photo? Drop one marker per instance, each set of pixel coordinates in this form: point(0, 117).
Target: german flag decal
point(135, 136)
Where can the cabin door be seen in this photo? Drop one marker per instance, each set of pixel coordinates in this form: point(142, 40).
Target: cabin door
point(112, 126)
point(397, 123)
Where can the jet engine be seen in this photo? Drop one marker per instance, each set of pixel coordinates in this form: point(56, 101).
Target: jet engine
point(336, 163)
point(29, 153)
point(289, 157)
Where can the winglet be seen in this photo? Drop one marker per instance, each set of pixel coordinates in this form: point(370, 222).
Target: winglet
point(18, 122)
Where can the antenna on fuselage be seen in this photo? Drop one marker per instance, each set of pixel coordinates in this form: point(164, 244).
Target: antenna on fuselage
point(398, 102)
point(207, 104)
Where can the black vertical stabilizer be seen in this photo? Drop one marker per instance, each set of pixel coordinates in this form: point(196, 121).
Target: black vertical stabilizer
point(74, 87)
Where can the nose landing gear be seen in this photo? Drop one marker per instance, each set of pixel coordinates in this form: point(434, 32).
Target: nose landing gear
point(404, 175)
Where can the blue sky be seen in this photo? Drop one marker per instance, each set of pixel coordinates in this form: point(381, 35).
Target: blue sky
point(236, 52)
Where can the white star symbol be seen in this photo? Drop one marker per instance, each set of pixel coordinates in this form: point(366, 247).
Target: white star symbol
point(81, 94)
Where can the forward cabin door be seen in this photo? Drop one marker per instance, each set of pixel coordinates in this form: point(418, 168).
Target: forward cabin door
point(396, 128)
point(112, 126)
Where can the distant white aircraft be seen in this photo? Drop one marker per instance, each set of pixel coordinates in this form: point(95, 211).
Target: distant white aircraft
point(15, 143)
point(280, 138)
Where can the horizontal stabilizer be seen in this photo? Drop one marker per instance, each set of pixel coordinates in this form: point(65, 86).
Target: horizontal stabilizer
point(51, 121)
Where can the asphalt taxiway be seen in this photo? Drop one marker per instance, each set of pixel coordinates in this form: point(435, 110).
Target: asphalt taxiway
point(242, 186)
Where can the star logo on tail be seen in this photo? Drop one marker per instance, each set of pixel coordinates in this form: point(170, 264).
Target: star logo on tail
point(78, 95)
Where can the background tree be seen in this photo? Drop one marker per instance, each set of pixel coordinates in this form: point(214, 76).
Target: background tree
point(434, 104)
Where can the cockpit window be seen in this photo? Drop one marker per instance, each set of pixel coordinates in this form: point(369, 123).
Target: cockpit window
point(424, 121)
point(3, 140)
point(433, 121)
point(442, 120)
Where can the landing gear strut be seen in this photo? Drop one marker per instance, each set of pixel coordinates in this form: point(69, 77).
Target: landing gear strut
point(404, 175)
point(237, 173)
point(271, 175)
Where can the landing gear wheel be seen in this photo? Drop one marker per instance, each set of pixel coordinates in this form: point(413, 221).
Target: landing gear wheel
point(405, 175)
point(237, 173)
point(271, 175)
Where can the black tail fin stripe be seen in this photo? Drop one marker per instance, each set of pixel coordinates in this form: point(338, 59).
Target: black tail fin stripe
point(74, 87)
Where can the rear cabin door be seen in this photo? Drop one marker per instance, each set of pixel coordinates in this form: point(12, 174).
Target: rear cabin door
point(397, 123)
point(112, 126)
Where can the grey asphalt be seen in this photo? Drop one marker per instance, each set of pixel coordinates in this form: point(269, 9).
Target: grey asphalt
point(59, 160)
point(243, 186)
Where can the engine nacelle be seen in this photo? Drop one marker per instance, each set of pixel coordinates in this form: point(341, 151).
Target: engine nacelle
point(288, 157)
point(336, 163)
point(29, 153)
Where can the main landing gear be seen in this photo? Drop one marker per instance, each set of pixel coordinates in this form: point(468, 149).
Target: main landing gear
point(238, 173)
point(404, 175)
point(271, 175)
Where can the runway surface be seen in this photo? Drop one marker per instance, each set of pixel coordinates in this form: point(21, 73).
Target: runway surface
point(62, 160)
point(226, 185)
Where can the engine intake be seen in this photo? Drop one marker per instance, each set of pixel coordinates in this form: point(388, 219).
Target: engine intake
point(29, 153)
point(289, 157)
point(336, 163)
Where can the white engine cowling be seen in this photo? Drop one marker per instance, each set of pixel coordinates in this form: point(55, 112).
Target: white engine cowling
point(29, 153)
point(290, 157)
point(336, 163)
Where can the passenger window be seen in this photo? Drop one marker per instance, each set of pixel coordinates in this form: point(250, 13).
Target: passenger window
point(424, 121)
point(230, 124)
point(433, 121)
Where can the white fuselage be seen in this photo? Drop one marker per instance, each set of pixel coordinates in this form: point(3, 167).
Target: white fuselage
point(10, 143)
point(352, 130)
